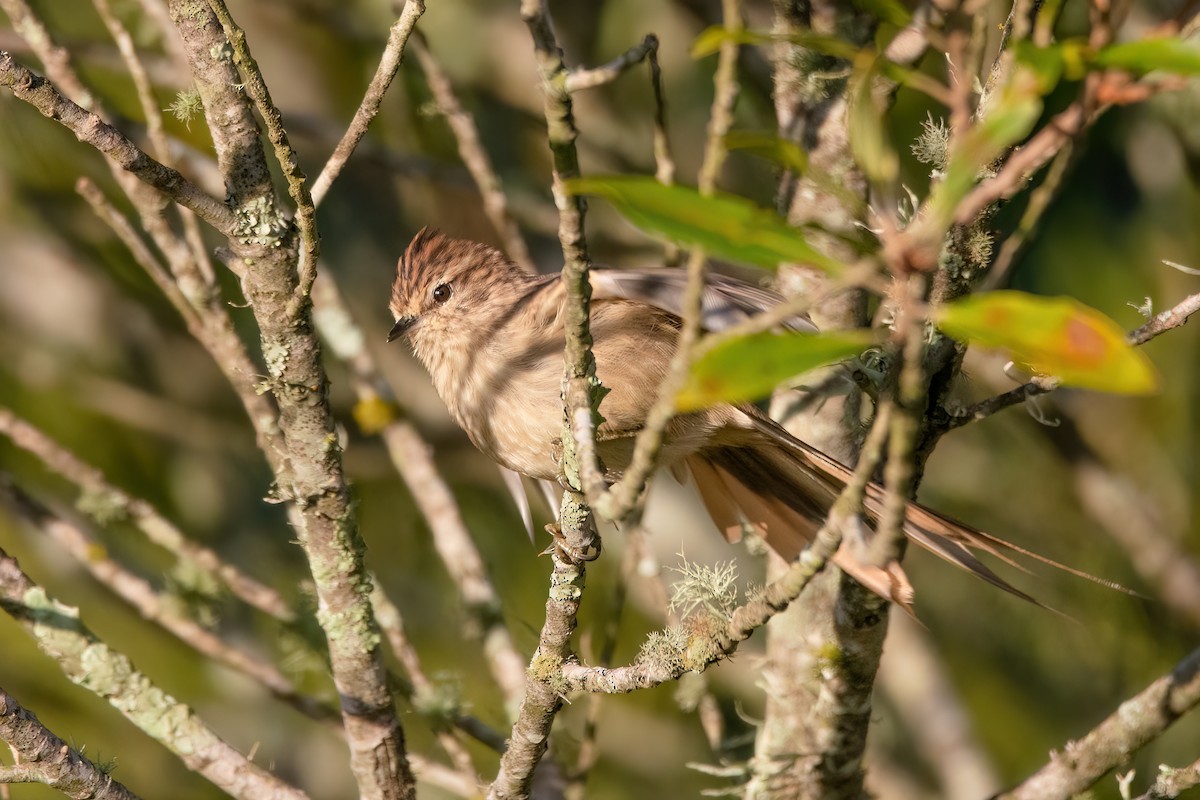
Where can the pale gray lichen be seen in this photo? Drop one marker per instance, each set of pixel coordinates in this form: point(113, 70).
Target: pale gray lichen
point(260, 222)
point(187, 106)
point(712, 589)
point(932, 143)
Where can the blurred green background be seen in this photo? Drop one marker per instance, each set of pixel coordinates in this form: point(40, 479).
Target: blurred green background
point(94, 356)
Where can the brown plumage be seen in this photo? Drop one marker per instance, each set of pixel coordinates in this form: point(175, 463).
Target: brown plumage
point(492, 337)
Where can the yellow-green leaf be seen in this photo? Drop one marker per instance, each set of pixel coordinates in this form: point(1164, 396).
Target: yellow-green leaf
point(868, 135)
point(710, 40)
point(749, 368)
point(770, 146)
point(1056, 336)
point(724, 225)
point(1151, 55)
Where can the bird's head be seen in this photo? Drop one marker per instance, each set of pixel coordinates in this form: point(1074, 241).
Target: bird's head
point(446, 285)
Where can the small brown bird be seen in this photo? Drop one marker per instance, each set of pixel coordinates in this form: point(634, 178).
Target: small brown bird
point(492, 337)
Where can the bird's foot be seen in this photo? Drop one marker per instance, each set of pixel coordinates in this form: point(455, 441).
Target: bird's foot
point(559, 546)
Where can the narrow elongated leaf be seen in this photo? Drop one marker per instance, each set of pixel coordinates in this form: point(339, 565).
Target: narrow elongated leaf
point(770, 146)
point(868, 135)
point(750, 368)
point(1057, 336)
point(710, 40)
point(724, 225)
point(1150, 55)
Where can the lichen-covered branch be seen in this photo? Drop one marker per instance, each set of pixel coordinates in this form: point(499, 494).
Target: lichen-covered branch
point(581, 392)
point(1137, 721)
point(544, 683)
point(256, 87)
point(45, 758)
point(109, 501)
point(312, 478)
point(149, 603)
point(88, 127)
point(87, 661)
point(707, 640)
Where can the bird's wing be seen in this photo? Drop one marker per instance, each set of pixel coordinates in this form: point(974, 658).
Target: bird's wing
point(726, 302)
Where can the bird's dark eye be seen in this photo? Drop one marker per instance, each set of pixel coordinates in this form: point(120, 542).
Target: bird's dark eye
point(441, 293)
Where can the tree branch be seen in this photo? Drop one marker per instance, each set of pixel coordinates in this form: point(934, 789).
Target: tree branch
point(389, 63)
point(47, 759)
point(1110, 744)
point(312, 476)
point(88, 127)
point(87, 661)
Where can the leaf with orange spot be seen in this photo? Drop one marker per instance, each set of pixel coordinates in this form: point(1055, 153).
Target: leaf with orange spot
point(1057, 336)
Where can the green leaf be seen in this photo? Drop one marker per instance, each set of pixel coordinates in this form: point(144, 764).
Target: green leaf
point(710, 40)
point(724, 225)
point(891, 11)
point(868, 135)
point(1056, 336)
point(749, 368)
point(1150, 55)
point(766, 144)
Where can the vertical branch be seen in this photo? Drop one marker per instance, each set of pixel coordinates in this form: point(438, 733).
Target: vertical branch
point(313, 479)
point(823, 652)
point(545, 685)
point(623, 499)
point(581, 388)
point(306, 212)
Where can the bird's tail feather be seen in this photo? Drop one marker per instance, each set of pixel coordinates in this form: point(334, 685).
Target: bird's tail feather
point(783, 488)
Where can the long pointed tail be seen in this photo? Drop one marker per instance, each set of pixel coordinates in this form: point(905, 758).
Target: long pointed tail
point(783, 488)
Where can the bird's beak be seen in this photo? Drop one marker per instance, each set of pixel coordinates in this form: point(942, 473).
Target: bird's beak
point(401, 327)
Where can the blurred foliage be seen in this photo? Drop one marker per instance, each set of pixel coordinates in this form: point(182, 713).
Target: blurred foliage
point(91, 354)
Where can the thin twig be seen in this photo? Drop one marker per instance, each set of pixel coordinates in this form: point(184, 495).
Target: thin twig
point(1172, 782)
point(1159, 324)
point(285, 156)
point(473, 154)
point(150, 604)
point(581, 388)
point(87, 127)
point(389, 63)
point(87, 661)
point(1137, 721)
point(581, 79)
point(746, 619)
point(620, 501)
point(158, 529)
point(47, 759)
